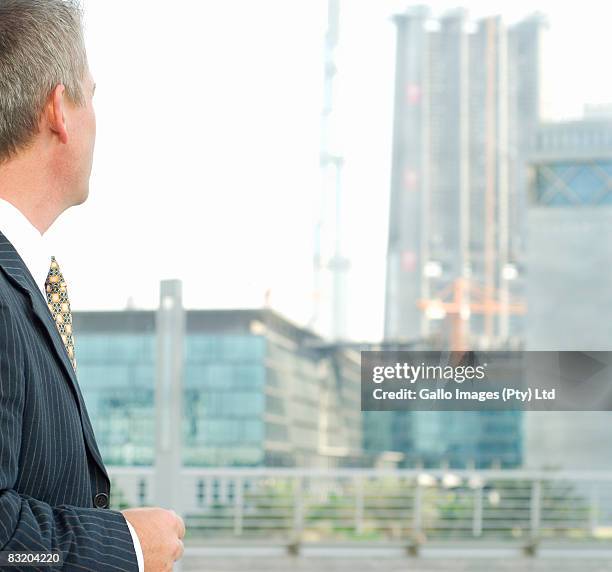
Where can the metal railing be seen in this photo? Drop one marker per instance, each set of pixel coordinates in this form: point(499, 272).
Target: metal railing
point(294, 507)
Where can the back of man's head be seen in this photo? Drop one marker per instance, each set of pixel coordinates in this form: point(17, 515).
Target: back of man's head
point(41, 46)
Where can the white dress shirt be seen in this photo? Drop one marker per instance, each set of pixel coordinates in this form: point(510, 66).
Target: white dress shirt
point(35, 252)
point(28, 242)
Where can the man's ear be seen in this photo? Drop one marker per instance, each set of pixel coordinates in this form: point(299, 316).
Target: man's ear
point(54, 112)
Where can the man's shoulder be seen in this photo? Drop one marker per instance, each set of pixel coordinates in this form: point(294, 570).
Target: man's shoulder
point(11, 320)
point(12, 299)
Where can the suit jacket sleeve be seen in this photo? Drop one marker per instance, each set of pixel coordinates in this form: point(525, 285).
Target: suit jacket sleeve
point(88, 538)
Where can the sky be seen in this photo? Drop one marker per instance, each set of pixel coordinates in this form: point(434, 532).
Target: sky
point(207, 153)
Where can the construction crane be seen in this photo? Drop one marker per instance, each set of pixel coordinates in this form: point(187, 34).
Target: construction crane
point(460, 300)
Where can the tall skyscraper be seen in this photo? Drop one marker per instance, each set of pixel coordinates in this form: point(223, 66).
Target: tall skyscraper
point(467, 102)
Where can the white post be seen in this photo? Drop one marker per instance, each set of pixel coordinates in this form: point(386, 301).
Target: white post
point(168, 398)
point(418, 514)
point(238, 506)
point(536, 501)
point(298, 509)
point(477, 523)
point(359, 501)
point(593, 508)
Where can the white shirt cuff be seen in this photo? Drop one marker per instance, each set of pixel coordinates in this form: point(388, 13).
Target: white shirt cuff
point(137, 547)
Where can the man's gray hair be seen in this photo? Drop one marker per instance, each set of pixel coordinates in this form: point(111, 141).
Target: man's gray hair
point(41, 46)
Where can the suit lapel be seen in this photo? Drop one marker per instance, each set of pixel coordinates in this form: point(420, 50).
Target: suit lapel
point(15, 268)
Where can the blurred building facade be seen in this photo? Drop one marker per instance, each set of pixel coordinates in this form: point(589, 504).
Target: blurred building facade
point(569, 231)
point(569, 277)
point(258, 390)
point(448, 439)
point(453, 439)
point(467, 103)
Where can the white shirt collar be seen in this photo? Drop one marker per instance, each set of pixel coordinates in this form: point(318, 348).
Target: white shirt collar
point(27, 241)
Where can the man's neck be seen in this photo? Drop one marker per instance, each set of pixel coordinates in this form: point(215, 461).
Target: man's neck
point(29, 188)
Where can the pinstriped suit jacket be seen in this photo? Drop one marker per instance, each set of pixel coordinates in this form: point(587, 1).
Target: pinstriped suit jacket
point(54, 488)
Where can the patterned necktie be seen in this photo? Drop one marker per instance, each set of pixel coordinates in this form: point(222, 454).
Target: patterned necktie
point(59, 305)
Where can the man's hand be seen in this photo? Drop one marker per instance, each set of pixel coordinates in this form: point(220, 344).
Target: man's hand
point(161, 534)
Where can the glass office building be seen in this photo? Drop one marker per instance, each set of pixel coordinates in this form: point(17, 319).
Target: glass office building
point(460, 439)
point(258, 390)
point(452, 439)
point(570, 278)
